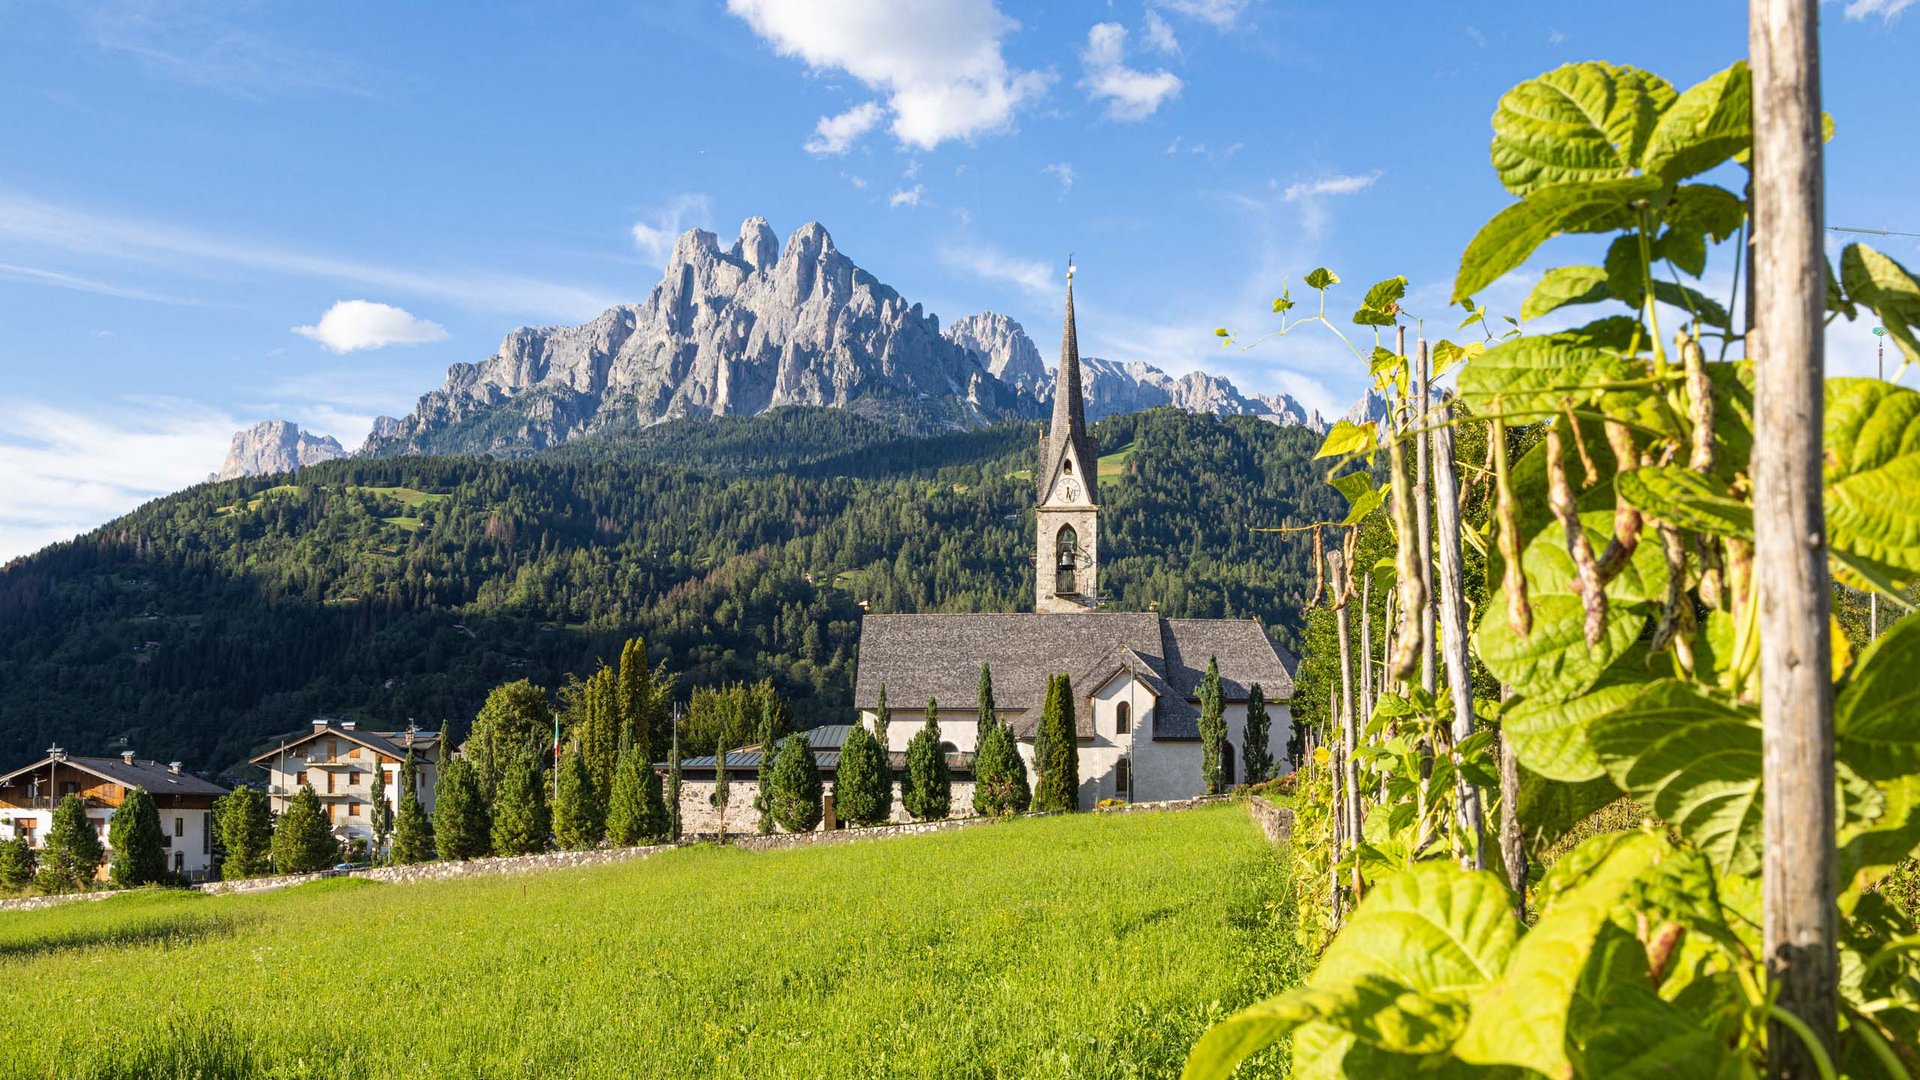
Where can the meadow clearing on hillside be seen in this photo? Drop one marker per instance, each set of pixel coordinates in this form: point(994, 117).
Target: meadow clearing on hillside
point(1079, 946)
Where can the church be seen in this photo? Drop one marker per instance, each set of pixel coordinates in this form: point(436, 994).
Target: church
point(1136, 675)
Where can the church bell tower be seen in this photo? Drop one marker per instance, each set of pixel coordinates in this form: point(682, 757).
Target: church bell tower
point(1067, 555)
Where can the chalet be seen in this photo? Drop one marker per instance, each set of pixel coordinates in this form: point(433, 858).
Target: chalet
point(29, 794)
point(338, 759)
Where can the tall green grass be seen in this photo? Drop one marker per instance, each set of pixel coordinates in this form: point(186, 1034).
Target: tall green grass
point(1085, 946)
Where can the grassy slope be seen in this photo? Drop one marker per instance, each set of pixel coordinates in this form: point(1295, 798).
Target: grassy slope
point(1090, 946)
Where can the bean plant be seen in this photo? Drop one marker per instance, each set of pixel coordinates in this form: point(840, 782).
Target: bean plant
point(1622, 622)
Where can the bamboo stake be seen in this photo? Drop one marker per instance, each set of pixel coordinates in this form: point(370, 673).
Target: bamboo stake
point(1453, 621)
point(1423, 509)
point(1790, 557)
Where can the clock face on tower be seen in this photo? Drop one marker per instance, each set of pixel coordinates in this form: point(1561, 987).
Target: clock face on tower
point(1070, 489)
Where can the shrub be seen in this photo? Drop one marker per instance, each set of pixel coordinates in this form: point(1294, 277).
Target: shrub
point(16, 864)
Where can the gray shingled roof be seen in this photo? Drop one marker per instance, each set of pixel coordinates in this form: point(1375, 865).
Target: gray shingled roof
point(393, 743)
point(152, 775)
point(922, 656)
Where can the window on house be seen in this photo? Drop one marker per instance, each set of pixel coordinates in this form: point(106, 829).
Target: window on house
point(179, 826)
point(1066, 548)
point(1123, 780)
point(353, 809)
point(68, 787)
point(206, 834)
point(330, 779)
point(333, 749)
point(1123, 718)
point(179, 862)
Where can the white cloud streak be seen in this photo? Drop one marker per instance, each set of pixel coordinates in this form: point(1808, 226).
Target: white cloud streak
point(1222, 14)
point(1158, 35)
point(836, 134)
point(1130, 93)
point(42, 225)
point(656, 237)
point(1330, 185)
point(907, 196)
point(991, 264)
point(350, 325)
point(1888, 10)
point(938, 62)
point(1063, 172)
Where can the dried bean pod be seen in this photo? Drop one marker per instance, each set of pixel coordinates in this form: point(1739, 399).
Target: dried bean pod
point(1700, 391)
point(1514, 578)
point(1593, 594)
point(1626, 518)
point(1676, 611)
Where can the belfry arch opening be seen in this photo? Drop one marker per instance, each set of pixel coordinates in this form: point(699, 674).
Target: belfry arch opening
point(1066, 548)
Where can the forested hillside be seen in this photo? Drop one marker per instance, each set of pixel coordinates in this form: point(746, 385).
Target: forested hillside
point(405, 587)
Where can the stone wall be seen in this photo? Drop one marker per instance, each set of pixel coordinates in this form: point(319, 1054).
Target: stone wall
point(700, 818)
point(1275, 821)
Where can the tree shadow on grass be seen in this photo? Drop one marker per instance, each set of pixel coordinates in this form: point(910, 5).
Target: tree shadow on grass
point(167, 931)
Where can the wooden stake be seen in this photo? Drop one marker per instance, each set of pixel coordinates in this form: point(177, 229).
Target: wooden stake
point(1423, 508)
point(1349, 723)
point(1790, 551)
point(1453, 623)
point(1513, 842)
point(1366, 644)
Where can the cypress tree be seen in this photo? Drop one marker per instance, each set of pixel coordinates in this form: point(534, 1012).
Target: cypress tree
point(516, 721)
point(860, 792)
point(579, 821)
point(302, 839)
point(635, 814)
point(413, 832)
point(460, 826)
point(520, 818)
point(928, 787)
point(1213, 728)
point(882, 720)
point(722, 791)
point(1255, 759)
point(16, 864)
point(379, 811)
point(72, 852)
point(139, 847)
point(1057, 750)
point(639, 692)
point(767, 737)
point(796, 786)
point(602, 729)
point(245, 827)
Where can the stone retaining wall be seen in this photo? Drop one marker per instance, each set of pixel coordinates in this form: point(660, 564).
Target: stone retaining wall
point(1275, 821)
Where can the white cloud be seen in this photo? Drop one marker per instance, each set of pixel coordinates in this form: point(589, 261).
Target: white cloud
point(837, 134)
point(1062, 172)
point(682, 212)
point(1131, 94)
point(939, 62)
point(1555, 37)
point(211, 45)
point(363, 324)
point(992, 264)
point(1221, 13)
point(907, 196)
point(79, 232)
point(859, 182)
point(1886, 9)
point(68, 471)
point(37, 276)
point(1159, 35)
point(1330, 185)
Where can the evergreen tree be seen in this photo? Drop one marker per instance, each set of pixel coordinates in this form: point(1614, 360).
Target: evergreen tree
point(882, 716)
point(928, 787)
point(139, 847)
point(578, 820)
point(302, 839)
point(860, 793)
point(999, 776)
point(461, 829)
point(635, 813)
point(244, 824)
point(1213, 728)
point(602, 729)
point(795, 785)
point(379, 811)
point(1057, 750)
point(516, 722)
point(16, 864)
point(773, 724)
point(722, 790)
point(413, 832)
point(1256, 760)
point(882, 720)
point(641, 695)
point(72, 852)
point(520, 819)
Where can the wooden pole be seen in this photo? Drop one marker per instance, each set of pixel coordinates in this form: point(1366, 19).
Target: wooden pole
point(1349, 723)
point(1366, 644)
point(1423, 508)
point(1513, 842)
point(1453, 621)
point(1790, 552)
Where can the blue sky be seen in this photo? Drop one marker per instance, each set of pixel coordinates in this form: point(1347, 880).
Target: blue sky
point(189, 188)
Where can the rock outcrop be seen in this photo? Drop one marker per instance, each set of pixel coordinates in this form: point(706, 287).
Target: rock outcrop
point(276, 446)
point(756, 326)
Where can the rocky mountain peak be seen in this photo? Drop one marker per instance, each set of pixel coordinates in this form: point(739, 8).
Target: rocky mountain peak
point(758, 247)
point(273, 446)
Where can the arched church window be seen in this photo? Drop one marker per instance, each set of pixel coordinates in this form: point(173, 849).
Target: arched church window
point(1066, 547)
point(1123, 718)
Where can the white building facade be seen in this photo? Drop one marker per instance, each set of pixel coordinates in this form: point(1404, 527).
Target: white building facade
point(339, 760)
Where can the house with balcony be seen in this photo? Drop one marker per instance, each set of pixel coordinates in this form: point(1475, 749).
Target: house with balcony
point(29, 794)
point(339, 760)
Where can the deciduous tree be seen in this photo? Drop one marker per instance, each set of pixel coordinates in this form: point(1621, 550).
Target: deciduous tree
point(515, 722)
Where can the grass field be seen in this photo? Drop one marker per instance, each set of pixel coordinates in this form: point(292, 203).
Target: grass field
point(1086, 946)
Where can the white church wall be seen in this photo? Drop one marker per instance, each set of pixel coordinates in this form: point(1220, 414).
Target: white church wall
point(959, 727)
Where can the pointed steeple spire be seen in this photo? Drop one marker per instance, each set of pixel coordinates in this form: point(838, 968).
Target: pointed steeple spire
point(1069, 413)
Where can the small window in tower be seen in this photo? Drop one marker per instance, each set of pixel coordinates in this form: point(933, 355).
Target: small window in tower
point(1067, 562)
point(1123, 718)
point(1067, 466)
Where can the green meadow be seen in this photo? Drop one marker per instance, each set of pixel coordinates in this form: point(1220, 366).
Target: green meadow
point(1083, 946)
